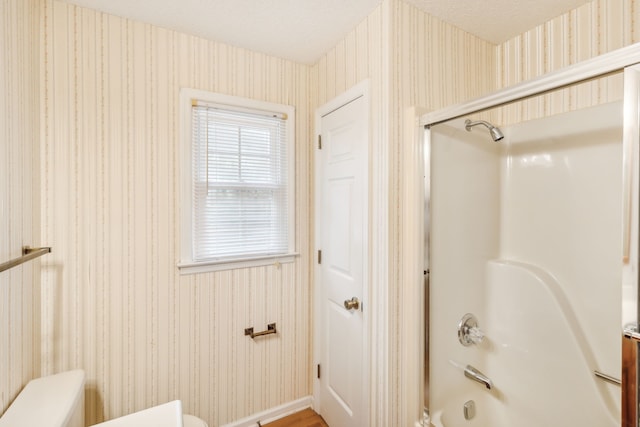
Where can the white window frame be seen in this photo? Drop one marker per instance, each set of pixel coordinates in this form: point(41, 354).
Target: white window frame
point(187, 265)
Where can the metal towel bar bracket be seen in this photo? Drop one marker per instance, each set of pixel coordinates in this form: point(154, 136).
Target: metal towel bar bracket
point(28, 254)
point(271, 329)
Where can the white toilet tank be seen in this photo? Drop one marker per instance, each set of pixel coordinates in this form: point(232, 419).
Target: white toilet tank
point(53, 401)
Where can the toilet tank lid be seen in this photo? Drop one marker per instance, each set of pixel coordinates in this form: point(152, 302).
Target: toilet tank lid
point(47, 401)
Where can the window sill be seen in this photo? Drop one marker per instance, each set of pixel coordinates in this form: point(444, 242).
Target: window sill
point(210, 266)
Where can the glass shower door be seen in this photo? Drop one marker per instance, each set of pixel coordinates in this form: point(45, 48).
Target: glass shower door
point(631, 220)
point(539, 238)
point(526, 235)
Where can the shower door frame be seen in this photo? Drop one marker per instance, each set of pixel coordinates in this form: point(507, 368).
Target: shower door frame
point(626, 59)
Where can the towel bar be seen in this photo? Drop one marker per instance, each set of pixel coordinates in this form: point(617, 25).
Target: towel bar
point(27, 255)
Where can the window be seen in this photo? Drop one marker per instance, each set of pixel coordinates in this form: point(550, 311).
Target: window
point(237, 183)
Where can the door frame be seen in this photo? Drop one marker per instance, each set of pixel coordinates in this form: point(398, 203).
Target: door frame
point(361, 90)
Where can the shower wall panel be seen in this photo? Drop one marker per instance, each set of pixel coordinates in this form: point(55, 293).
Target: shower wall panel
point(562, 212)
point(527, 236)
point(465, 215)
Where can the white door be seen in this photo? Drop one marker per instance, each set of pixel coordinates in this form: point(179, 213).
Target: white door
point(342, 189)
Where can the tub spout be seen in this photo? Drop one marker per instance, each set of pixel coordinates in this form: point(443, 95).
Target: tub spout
point(474, 374)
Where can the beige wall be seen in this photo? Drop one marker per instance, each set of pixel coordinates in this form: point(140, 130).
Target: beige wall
point(113, 300)
point(364, 54)
point(410, 58)
point(597, 27)
point(19, 195)
point(435, 65)
point(593, 29)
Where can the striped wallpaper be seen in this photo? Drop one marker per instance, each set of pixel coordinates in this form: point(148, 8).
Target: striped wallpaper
point(19, 194)
point(595, 28)
point(364, 54)
point(113, 300)
point(410, 59)
point(435, 65)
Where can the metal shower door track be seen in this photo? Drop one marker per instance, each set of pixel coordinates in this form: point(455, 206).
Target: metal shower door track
point(590, 69)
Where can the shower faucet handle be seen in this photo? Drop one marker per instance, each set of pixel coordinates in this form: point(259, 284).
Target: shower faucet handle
point(468, 331)
point(476, 335)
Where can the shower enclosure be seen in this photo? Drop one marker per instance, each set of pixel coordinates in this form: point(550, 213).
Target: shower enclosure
point(532, 252)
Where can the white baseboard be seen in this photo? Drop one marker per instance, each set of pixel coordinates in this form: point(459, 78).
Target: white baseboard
point(273, 414)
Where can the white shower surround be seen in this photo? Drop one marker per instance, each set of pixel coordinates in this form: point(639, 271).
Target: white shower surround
point(508, 202)
point(532, 386)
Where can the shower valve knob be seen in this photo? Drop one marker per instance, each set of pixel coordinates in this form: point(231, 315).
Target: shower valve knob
point(475, 335)
point(468, 331)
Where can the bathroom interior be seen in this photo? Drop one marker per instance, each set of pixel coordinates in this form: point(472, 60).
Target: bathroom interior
point(90, 166)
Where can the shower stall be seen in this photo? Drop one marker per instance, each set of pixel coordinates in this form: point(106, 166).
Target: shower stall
point(531, 255)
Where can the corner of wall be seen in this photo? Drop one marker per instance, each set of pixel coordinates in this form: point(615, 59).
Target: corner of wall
point(19, 193)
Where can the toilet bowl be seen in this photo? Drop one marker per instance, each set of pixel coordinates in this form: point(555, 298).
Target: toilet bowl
point(191, 421)
point(166, 415)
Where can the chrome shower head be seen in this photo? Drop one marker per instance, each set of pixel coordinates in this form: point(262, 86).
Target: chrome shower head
point(496, 134)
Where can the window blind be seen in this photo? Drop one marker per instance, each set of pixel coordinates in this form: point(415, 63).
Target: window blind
point(240, 200)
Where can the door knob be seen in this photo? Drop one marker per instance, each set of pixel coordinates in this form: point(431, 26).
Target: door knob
point(352, 304)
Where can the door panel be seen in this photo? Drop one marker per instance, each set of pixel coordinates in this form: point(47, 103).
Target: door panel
point(342, 194)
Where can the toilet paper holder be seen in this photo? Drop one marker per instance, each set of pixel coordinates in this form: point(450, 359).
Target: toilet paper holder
point(271, 329)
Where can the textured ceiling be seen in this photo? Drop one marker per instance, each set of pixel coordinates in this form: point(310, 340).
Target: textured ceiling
point(302, 30)
point(496, 20)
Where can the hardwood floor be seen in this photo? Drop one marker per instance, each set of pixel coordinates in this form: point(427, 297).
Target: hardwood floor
point(305, 418)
